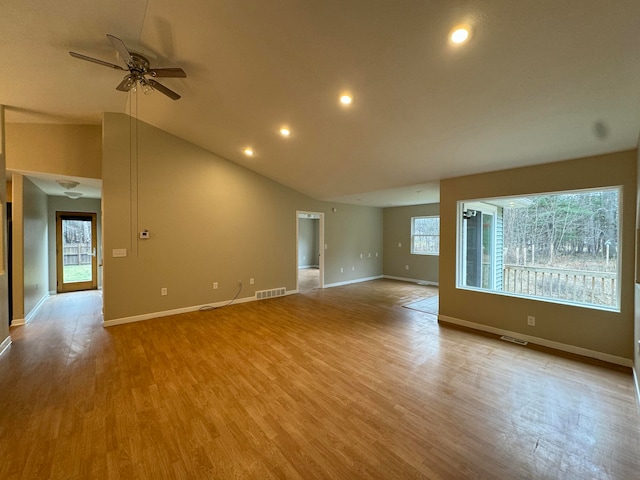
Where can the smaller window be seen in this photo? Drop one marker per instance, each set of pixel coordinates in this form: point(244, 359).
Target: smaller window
point(425, 235)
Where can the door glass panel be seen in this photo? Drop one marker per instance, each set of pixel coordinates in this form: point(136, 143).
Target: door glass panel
point(77, 251)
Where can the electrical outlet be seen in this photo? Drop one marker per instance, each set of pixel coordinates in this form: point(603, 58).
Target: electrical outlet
point(531, 321)
point(353, 269)
point(163, 291)
point(399, 244)
point(361, 255)
point(215, 285)
point(406, 267)
point(341, 270)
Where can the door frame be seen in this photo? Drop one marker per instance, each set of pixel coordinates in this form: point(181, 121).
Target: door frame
point(321, 245)
point(482, 209)
point(61, 287)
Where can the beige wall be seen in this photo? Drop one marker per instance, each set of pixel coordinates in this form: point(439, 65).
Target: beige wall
point(209, 221)
point(308, 248)
point(30, 258)
point(636, 342)
point(4, 273)
point(597, 330)
point(17, 256)
point(73, 150)
point(397, 231)
point(65, 204)
point(35, 260)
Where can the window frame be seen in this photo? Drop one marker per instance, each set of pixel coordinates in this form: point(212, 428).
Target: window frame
point(413, 235)
point(461, 253)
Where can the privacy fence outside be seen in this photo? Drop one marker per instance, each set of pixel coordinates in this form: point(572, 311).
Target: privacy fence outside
point(77, 254)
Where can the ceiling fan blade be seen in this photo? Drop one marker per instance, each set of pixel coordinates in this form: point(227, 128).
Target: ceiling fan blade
point(126, 84)
point(95, 60)
point(121, 48)
point(162, 89)
point(167, 72)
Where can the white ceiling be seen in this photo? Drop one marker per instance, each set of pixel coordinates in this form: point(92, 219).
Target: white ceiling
point(48, 183)
point(538, 82)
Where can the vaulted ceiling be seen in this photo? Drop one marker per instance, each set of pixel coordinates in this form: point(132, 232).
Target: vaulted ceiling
point(536, 82)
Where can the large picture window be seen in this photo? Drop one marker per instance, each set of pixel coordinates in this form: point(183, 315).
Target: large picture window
point(561, 247)
point(425, 235)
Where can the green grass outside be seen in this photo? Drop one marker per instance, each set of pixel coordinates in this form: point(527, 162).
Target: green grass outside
point(76, 273)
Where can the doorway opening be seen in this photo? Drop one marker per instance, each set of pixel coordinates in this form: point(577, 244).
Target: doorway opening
point(309, 251)
point(76, 251)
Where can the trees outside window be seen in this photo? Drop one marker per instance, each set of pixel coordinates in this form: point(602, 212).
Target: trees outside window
point(560, 246)
point(425, 235)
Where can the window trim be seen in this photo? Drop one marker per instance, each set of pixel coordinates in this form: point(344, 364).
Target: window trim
point(413, 235)
point(460, 268)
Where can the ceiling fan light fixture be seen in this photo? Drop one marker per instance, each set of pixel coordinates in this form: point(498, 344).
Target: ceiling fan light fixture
point(129, 82)
point(147, 89)
point(67, 184)
point(138, 67)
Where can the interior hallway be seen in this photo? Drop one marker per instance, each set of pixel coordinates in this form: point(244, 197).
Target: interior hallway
point(308, 279)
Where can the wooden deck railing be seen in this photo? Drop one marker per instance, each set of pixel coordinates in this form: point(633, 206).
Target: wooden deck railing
point(596, 288)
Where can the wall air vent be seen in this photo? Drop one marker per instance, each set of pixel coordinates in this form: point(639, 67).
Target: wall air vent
point(513, 340)
point(274, 292)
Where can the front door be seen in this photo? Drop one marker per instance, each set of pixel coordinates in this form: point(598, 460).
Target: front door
point(76, 251)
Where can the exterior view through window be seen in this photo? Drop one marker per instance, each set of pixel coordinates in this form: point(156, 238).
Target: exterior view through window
point(425, 235)
point(561, 247)
point(76, 244)
point(77, 250)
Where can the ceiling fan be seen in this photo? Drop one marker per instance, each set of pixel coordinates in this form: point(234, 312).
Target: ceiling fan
point(139, 70)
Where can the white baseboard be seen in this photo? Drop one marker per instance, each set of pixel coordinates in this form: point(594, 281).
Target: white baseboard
point(35, 309)
point(18, 322)
point(349, 282)
point(177, 311)
point(412, 280)
point(5, 344)
point(625, 362)
point(637, 384)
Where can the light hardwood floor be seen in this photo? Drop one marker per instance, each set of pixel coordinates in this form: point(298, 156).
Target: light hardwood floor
point(339, 383)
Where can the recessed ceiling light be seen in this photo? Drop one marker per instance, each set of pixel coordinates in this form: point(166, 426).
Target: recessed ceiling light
point(460, 35)
point(285, 132)
point(249, 152)
point(346, 99)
